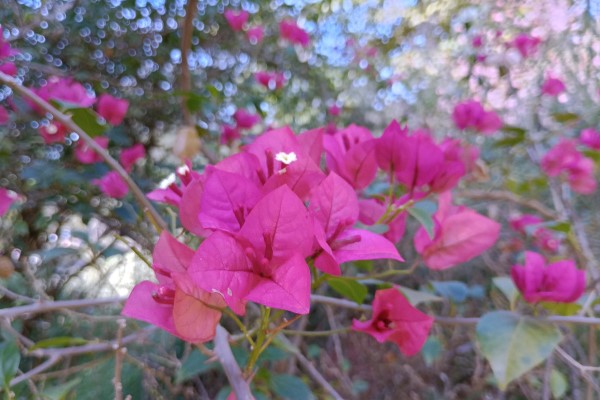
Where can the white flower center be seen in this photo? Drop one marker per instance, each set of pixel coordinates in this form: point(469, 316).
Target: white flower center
point(286, 158)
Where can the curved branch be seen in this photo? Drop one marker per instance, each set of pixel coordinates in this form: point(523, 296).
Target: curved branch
point(510, 197)
point(45, 306)
point(66, 121)
point(230, 366)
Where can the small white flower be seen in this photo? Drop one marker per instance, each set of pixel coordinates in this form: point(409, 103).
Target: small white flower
point(286, 158)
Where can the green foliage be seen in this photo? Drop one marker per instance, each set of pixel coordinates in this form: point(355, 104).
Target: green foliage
point(514, 344)
point(348, 288)
point(10, 357)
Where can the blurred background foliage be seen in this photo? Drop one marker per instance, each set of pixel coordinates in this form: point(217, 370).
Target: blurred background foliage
point(375, 60)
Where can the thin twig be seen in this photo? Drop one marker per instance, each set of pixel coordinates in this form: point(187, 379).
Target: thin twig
point(45, 306)
point(310, 369)
point(223, 351)
point(92, 144)
point(510, 197)
point(119, 352)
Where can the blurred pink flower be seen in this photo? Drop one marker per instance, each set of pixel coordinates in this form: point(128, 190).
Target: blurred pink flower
point(229, 134)
point(292, 32)
point(86, 155)
point(5, 49)
point(8, 69)
point(579, 170)
point(66, 90)
point(525, 44)
point(460, 234)
point(112, 109)
point(4, 116)
point(334, 110)
point(130, 155)
point(6, 200)
point(236, 18)
point(470, 114)
point(553, 86)
point(477, 41)
point(245, 119)
point(112, 185)
point(546, 240)
point(255, 34)
point(590, 138)
point(270, 80)
point(395, 320)
point(520, 224)
point(558, 282)
point(53, 133)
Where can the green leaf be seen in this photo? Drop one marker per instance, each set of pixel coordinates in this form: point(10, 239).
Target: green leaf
point(558, 384)
point(349, 288)
point(194, 365)
point(290, 387)
point(456, 291)
point(423, 212)
point(561, 308)
point(506, 285)
point(593, 154)
point(563, 226)
point(9, 361)
point(417, 297)
point(516, 136)
point(59, 341)
point(432, 350)
point(565, 117)
point(88, 120)
point(514, 344)
point(60, 392)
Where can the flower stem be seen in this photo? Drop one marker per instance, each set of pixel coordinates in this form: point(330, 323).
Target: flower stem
point(257, 348)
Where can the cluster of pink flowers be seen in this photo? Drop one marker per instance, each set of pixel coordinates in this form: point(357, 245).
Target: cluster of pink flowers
point(238, 21)
point(6, 201)
point(565, 160)
point(265, 211)
point(270, 80)
point(526, 44)
point(290, 31)
point(553, 86)
point(68, 91)
point(559, 282)
point(530, 225)
point(471, 115)
point(6, 67)
point(591, 138)
point(244, 119)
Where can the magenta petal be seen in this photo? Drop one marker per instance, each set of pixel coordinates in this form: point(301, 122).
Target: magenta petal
point(221, 266)
point(170, 257)
point(370, 246)
point(334, 203)
point(360, 164)
point(287, 289)
point(312, 143)
point(189, 208)
point(301, 176)
point(282, 217)
point(244, 164)
point(193, 320)
point(140, 305)
point(226, 199)
point(388, 147)
point(325, 261)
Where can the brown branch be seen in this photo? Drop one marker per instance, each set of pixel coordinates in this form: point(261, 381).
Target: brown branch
point(555, 319)
point(46, 306)
point(66, 121)
point(119, 353)
point(234, 374)
point(310, 369)
point(186, 42)
point(510, 197)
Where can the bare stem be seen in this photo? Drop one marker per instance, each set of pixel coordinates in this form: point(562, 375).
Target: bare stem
point(230, 366)
point(45, 306)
